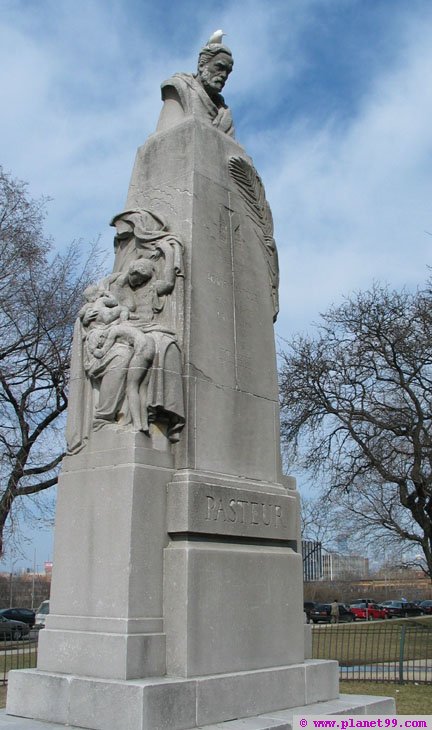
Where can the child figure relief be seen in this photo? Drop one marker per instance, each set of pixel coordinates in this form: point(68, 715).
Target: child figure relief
point(129, 342)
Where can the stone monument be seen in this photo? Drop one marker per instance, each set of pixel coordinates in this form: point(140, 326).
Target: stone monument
point(177, 588)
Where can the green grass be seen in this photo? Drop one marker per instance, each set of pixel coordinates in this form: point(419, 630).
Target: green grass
point(411, 699)
point(24, 658)
point(26, 661)
point(373, 642)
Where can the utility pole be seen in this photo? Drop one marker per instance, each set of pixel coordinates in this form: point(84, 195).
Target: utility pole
point(10, 589)
point(33, 580)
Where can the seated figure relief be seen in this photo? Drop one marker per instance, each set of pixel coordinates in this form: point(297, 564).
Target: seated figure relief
point(127, 351)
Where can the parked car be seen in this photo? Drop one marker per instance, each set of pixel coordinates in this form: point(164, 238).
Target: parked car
point(426, 606)
point(41, 614)
point(26, 615)
point(307, 608)
point(368, 611)
point(321, 612)
point(13, 629)
point(401, 609)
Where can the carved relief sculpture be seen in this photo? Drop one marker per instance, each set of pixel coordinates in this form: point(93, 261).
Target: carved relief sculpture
point(126, 361)
point(258, 211)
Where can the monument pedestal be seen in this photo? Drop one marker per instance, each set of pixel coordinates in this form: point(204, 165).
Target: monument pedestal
point(106, 612)
point(231, 575)
point(170, 610)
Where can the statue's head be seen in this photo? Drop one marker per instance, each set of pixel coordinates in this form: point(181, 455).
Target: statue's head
point(95, 291)
point(91, 293)
point(215, 63)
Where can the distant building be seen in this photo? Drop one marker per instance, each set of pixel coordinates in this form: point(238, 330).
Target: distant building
point(335, 565)
point(312, 560)
point(342, 543)
point(319, 564)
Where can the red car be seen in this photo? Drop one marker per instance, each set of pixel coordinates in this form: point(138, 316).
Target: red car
point(368, 611)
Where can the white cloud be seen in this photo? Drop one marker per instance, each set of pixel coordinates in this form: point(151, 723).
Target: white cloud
point(352, 201)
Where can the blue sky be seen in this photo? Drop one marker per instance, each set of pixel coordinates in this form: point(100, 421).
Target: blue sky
point(331, 98)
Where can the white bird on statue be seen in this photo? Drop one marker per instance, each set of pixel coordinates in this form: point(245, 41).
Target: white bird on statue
point(216, 37)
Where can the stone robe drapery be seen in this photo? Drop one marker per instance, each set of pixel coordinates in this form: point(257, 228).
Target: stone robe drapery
point(164, 390)
point(195, 101)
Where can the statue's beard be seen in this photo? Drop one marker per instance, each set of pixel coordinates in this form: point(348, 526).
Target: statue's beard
point(213, 84)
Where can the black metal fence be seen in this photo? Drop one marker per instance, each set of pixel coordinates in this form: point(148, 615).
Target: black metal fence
point(395, 651)
point(17, 653)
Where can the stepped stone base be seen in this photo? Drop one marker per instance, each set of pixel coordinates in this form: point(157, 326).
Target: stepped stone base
point(282, 720)
point(263, 699)
point(344, 705)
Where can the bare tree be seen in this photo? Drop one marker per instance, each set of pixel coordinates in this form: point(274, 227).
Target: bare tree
point(357, 411)
point(40, 294)
point(320, 521)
